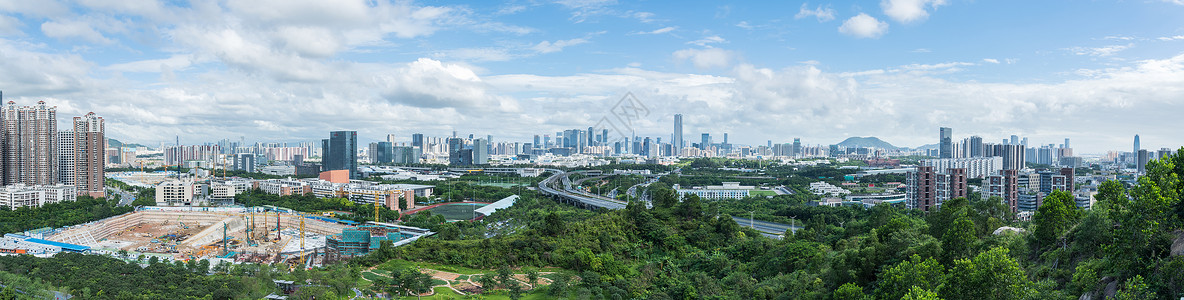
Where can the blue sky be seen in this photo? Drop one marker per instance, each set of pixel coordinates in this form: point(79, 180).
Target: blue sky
point(1097, 72)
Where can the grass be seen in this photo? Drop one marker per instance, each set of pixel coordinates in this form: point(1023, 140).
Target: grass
point(762, 193)
point(456, 211)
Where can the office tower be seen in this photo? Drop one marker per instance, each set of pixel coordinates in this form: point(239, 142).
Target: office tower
point(797, 147)
point(455, 145)
point(381, 152)
point(1024, 142)
point(454, 133)
point(390, 138)
point(1013, 156)
point(30, 144)
point(417, 140)
point(677, 132)
point(1136, 151)
point(1067, 143)
point(706, 142)
point(537, 141)
point(1163, 153)
point(946, 143)
point(89, 154)
point(244, 162)
point(604, 137)
point(546, 141)
point(976, 146)
point(1142, 157)
point(342, 147)
point(480, 151)
point(1015, 140)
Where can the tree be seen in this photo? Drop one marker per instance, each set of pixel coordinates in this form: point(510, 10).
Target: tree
point(959, 239)
point(690, 207)
point(917, 293)
point(990, 275)
point(553, 225)
point(850, 291)
point(1058, 213)
point(532, 275)
point(899, 279)
point(1134, 289)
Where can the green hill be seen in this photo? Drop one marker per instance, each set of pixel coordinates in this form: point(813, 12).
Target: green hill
point(866, 142)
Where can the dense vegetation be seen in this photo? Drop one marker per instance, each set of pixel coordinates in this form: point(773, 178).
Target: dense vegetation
point(84, 209)
point(679, 249)
point(310, 203)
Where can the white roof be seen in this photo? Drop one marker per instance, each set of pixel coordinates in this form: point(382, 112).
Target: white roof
point(500, 204)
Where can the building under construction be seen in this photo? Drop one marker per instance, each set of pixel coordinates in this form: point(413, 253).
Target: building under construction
point(362, 239)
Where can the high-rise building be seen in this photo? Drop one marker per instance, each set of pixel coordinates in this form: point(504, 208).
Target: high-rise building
point(480, 151)
point(1135, 153)
point(244, 162)
point(390, 138)
point(976, 146)
point(1015, 140)
point(417, 140)
point(1004, 185)
point(89, 153)
point(946, 143)
point(66, 157)
point(1067, 143)
point(926, 189)
point(381, 152)
point(30, 144)
point(706, 142)
point(797, 147)
point(342, 149)
point(1142, 157)
point(677, 133)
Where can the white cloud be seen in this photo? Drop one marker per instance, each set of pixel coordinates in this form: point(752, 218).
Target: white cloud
point(921, 50)
point(1100, 51)
point(863, 26)
point(644, 17)
point(173, 63)
point(659, 30)
point(73, 29)
point(706, 58)
point(10, 25)
point(549, 47)
point(476, 54)
point(822, 14)
point(715, 39)
point(991, 60)
point(909, 11)
point(1172, 38)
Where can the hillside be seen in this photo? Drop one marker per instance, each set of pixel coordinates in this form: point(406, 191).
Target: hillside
point(866, 142)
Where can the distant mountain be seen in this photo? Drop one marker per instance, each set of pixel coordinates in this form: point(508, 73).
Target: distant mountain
point(866, 142)
point(114, 143)
point(927, 147)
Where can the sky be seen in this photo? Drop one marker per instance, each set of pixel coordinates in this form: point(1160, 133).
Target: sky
point(1097, 72)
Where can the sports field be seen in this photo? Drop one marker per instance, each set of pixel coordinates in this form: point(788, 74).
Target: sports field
point(458, 211)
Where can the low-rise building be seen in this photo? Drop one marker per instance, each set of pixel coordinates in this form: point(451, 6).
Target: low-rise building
point(20, 195)
point(729, 190)
point(179, 193)
point(824, 188)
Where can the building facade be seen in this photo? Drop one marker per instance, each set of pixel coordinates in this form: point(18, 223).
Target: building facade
point(89, 155)
point(342, 152)
point(926, 189)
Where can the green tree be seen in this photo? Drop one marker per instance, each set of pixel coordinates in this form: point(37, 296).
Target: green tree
point(917, 293)
point(990, 275)
point(899, 279)
point(959, 239)
point(850, 291)
point(1054, 217)
point(1135, 289)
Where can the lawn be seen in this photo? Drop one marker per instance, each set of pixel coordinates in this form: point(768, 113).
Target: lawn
point(399, 263)
point(762, 193)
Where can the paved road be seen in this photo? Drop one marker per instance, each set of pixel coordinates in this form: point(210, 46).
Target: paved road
point(766, 228)
point(125, 198)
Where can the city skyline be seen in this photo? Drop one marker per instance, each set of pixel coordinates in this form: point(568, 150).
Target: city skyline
point(1096, 72)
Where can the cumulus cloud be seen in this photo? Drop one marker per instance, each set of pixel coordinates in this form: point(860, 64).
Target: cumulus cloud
point(705, 58)
point(909, 11)
point(821, 13)
point(863, 26)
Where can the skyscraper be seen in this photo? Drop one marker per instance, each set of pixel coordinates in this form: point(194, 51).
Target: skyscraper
point(976, 146)
point(480, 151)
point(677, 133)
point(706, 142)
point(1016, 140)
point(946, 143)
point(66, 157)
point(390, 138)
point(797, 147)
point(1136, 151)
point(342, 149)
point(30, 144)
point(1067, 143)
point(89, 151)
point(417, 140)
point(381, 152)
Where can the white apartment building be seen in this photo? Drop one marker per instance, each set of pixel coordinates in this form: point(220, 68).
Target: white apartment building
point(823, 188)
point(179, 193)
point(976, 167)
point(20, 195)
point(729, 190)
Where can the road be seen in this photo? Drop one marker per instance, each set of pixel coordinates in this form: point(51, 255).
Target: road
point(567, 194)
point(766, 228)
point(125, 198)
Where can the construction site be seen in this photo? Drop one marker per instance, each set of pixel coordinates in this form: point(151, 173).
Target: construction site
point(233, 234)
